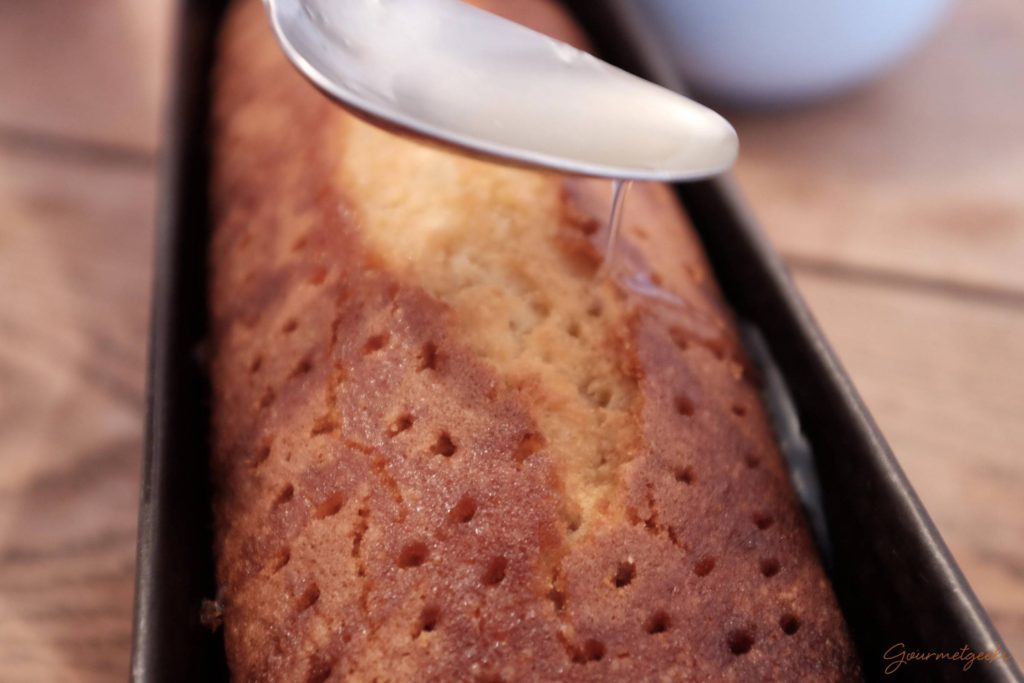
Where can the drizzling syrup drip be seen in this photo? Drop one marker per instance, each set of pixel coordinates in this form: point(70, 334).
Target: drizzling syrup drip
point(620, 188)
point(700, 326)
point(641, 283)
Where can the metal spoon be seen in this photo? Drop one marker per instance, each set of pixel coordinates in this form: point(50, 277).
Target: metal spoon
point(450, 72)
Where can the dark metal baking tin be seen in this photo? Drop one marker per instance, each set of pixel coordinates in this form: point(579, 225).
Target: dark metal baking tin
point(895, 578)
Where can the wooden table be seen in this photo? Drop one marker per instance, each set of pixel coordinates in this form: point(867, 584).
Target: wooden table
point(900, 209)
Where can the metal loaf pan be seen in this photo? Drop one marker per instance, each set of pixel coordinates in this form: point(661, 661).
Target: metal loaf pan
point(895, 579)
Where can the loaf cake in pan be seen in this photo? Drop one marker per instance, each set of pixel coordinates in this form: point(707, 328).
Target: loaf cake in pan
point(447, 447)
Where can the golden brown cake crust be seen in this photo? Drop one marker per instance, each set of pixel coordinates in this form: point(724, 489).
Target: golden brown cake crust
point(446, 450)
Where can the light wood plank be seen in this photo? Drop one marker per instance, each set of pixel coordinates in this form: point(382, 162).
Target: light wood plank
point(86, 69)
point(75, 242)
point(944, 378)
point(922, 172)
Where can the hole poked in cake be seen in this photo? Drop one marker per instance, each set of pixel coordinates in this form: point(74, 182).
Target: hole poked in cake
point(444, 445)
point(285, 495)
point(686, 475)
point(290, 326)
point(763, 520)
point(308, 597)
point(659, 622)
point(596, 393)
point(375, 343)
point(769, 567)
point(267, 398)
point(325, 424)
point(738, 409)
point(592, 650)
point(573, 519)
point(557, 599)
point(704, 566)
point(624, 574)
point(489, 678)
point(412, 555)
point(530, 443)
point(789, 623)
point(280, 560)
point(463, 511)
point(402, 423)
point(428, 356)
point(329, 506)
point(684, 405)
point(303, 367)
point(740, 641)
point(256, 364)
point(495, 571)
point(320, 671)
point(263, 450)
point(751, 460)
point(429, 618)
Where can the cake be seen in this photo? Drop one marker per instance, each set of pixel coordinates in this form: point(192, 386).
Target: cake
point(447, 445)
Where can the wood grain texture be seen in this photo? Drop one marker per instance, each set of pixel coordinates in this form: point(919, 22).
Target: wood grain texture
point(75, 242)
point(90, 70)
point(920, 173)
point(944, 378)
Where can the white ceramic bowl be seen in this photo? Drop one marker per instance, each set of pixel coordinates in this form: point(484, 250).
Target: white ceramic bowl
point(768, 52)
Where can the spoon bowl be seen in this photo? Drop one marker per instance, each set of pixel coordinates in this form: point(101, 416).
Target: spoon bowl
point(452, 73)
